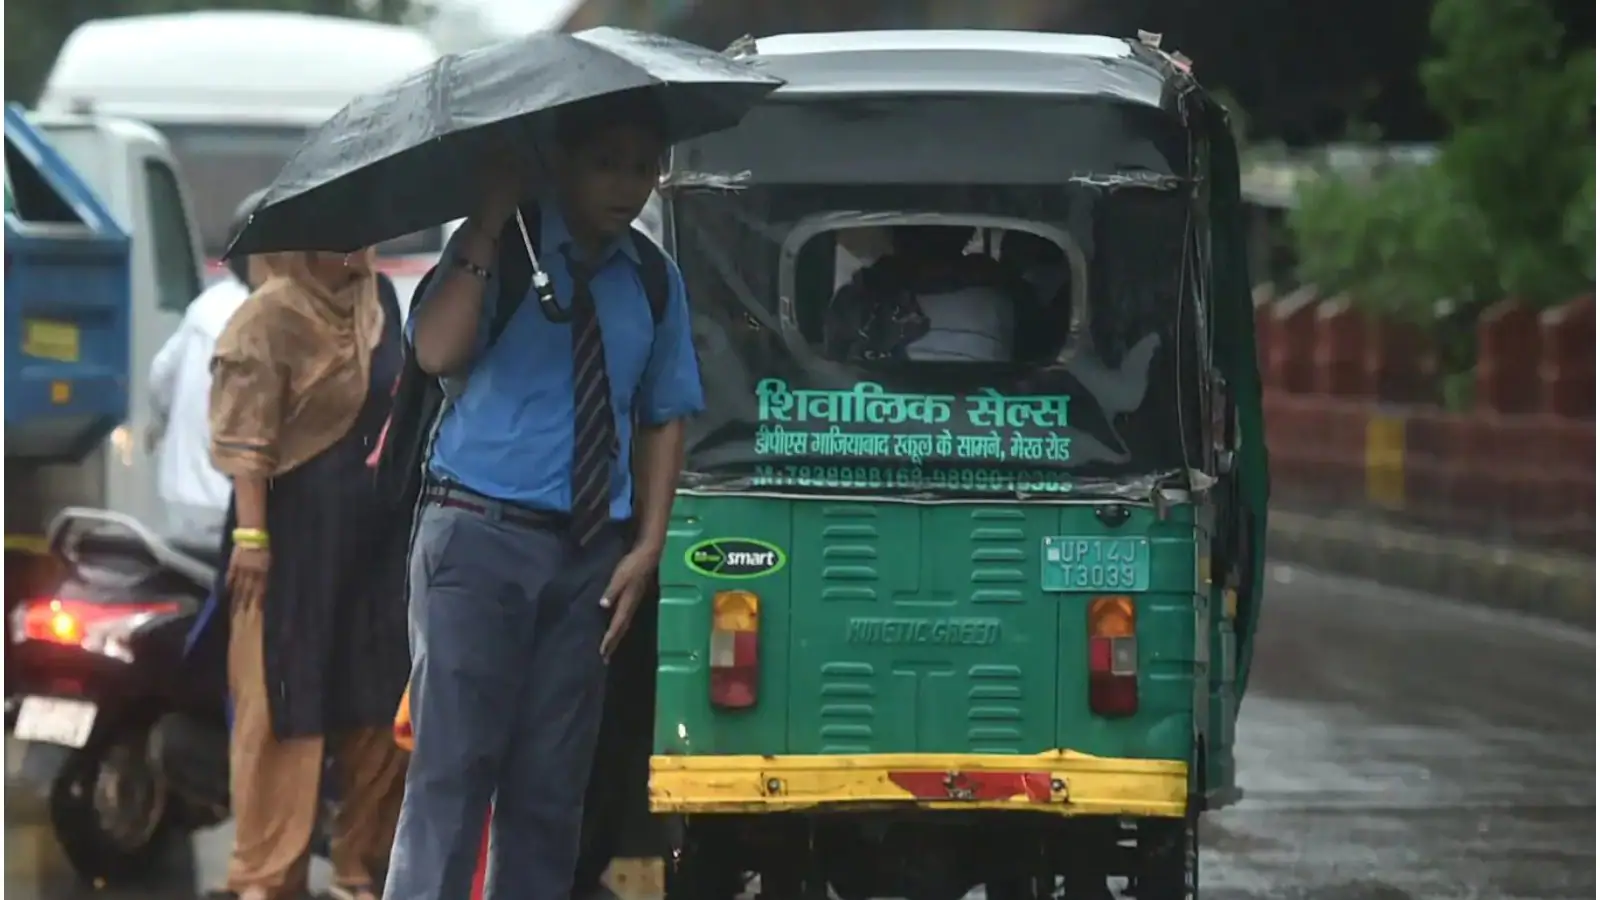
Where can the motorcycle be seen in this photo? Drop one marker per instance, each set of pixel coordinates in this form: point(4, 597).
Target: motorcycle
point(124, 721)
point(94, 676)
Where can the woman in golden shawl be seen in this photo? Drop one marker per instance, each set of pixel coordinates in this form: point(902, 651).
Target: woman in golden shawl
point(317, 653)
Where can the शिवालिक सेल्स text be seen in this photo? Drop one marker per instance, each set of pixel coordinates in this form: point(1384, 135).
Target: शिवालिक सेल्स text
point(913, 441)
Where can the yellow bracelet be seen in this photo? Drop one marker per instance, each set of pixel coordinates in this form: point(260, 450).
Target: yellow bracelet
point(250, 538)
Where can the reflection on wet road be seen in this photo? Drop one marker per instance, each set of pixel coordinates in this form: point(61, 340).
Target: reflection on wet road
point(36, 871)
point(1393, 747)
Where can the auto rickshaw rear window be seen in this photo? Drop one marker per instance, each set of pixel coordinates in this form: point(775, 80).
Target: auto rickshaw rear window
point(818, 348)
point(939, 293)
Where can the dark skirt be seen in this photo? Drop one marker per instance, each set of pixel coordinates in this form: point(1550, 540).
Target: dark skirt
point(334, 619)
point(334, 623)
point(336, 649)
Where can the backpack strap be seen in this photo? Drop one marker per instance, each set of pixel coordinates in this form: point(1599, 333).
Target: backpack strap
point(652, 273)
point(516, 270)
point(421, 290)
point(389, 299)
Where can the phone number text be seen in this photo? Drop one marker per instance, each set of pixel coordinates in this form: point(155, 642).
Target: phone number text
point(910, 478)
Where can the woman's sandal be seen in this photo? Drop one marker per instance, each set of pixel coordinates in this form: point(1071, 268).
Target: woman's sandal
point(354, 892)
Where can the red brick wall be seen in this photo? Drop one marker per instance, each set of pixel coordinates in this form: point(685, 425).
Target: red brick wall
point(1350, 423)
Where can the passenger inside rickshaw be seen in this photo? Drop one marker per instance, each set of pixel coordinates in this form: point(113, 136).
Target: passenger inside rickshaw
point(941, 295)
point(1042, 264)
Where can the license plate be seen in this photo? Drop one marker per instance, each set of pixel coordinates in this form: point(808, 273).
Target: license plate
point(1095, 564)
point(53, 721)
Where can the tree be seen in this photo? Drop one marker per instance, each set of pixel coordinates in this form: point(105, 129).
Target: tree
point(35, 29)
point(1508, 208)
point(1521, 141)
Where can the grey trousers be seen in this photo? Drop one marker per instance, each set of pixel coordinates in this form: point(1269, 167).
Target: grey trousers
point(507, 690)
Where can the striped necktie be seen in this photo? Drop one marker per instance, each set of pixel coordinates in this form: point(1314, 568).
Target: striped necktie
point(594, 430)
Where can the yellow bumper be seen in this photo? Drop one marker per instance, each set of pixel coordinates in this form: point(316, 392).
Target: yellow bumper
point(1060, 782)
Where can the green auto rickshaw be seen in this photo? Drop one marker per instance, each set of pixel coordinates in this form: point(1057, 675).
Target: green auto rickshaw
point(966, 564)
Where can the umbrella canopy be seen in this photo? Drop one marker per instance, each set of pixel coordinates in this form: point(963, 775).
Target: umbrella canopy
point(411, 156)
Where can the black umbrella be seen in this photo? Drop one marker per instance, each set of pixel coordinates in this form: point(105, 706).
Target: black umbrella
point(411, 156)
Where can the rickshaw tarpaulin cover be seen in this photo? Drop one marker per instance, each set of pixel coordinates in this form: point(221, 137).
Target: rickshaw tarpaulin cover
point(1106, 414)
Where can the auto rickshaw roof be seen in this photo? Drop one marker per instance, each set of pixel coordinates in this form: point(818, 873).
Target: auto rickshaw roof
point(967, 62)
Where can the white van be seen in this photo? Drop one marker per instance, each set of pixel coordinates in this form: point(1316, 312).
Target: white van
point(235, 93)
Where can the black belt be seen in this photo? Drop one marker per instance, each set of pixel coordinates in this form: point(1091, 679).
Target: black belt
point(454, 496)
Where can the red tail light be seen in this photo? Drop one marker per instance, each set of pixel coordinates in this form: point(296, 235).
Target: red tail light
point(96, 627)
point(1113, 658)
point(735, 649)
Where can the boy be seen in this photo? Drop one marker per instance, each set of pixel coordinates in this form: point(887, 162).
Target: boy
point(534, 545)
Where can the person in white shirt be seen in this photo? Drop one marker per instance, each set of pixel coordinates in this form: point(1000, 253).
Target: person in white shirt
point(193, 492)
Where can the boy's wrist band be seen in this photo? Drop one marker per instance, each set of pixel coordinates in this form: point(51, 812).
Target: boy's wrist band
point(472, 268)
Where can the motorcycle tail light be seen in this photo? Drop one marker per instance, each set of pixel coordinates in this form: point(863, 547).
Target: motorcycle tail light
point(96, 627)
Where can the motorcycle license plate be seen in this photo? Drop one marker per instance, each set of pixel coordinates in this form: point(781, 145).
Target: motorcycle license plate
point(54, 721)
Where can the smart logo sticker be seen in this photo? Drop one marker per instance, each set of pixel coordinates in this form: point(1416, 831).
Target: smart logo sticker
point(735, 558)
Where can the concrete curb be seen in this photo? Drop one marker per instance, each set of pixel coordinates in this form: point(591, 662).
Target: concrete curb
point(1541, 584)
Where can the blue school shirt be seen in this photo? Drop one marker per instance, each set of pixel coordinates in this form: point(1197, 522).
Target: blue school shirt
point(507, 433)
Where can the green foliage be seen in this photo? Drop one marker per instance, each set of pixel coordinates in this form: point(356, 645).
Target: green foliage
point(35, 29)
point(1508, 210)
point(1578, 230)
point(1522, 139)
point(1406, 235)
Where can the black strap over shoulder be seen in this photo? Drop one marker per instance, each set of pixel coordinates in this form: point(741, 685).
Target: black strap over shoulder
point(516, 270)
point(652, 273)
point(389, 299)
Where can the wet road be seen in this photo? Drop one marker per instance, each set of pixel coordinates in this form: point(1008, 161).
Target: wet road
point(1400, 748)
point(1393, 747)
